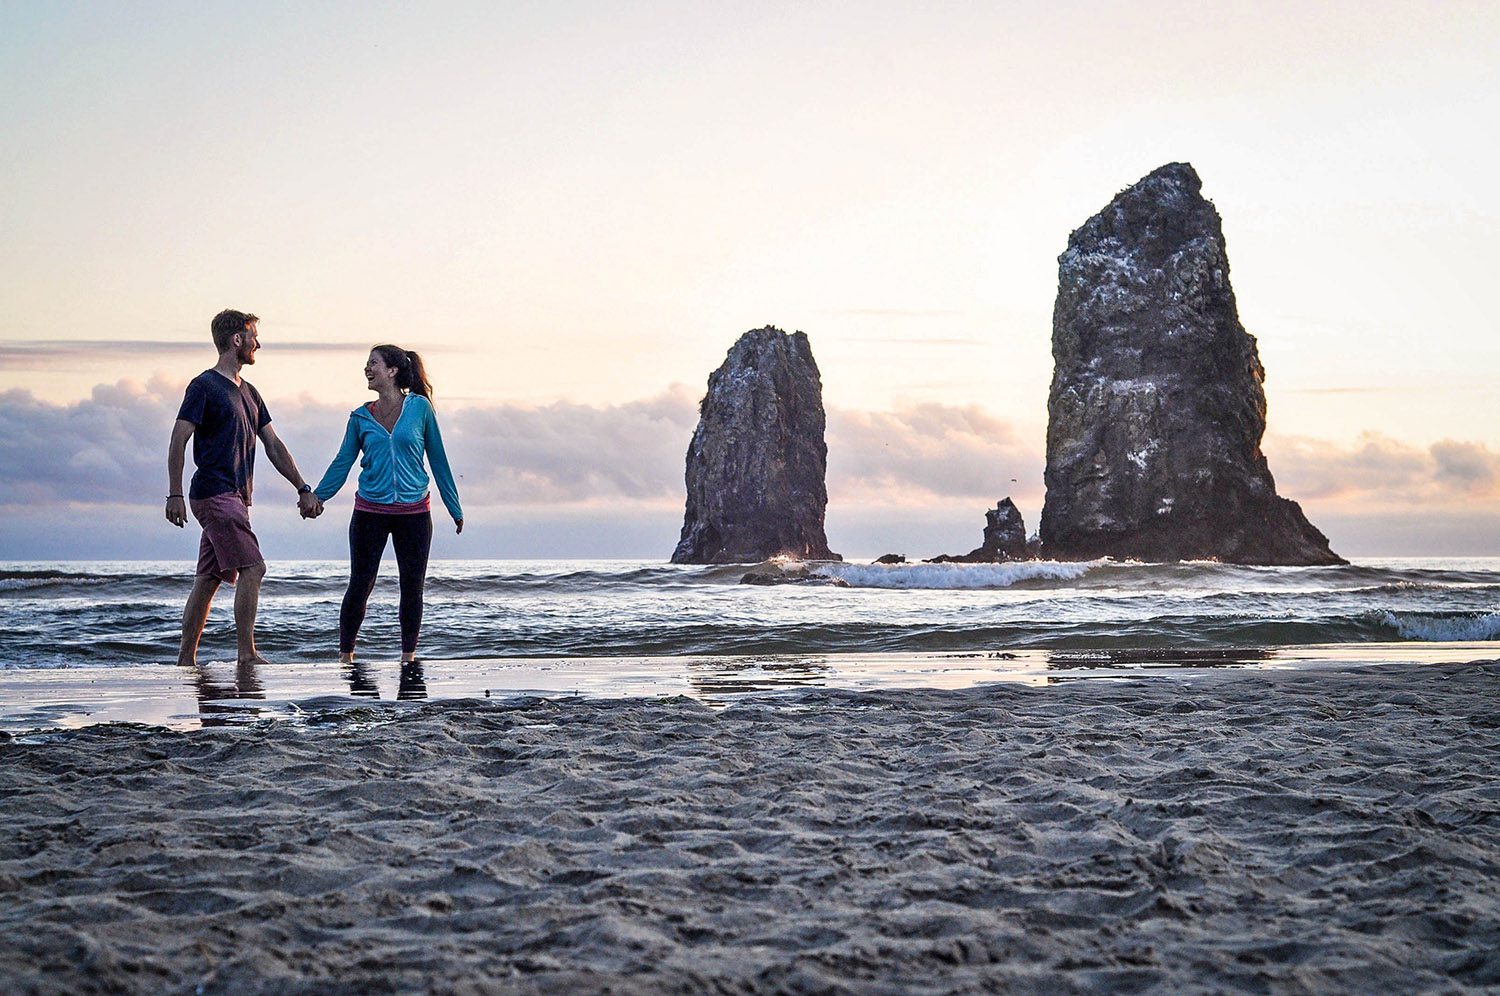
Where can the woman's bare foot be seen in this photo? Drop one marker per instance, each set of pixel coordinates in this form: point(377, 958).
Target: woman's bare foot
point(346, 658)
point(254, 660)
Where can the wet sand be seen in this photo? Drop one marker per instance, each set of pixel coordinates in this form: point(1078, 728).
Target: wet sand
point(218, 693)
point(1331, 829)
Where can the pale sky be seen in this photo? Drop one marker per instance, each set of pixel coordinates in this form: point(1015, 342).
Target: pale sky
point(574, 210)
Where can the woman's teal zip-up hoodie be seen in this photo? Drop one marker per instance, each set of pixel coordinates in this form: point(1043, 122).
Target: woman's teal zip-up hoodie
point(391, 468)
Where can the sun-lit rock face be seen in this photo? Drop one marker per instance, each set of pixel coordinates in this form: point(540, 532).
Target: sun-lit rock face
point(1156, 410)
point(757, 465)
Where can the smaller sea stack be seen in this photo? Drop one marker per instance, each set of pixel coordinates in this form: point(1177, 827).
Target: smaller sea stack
point(757, 463)
point(1004, 538)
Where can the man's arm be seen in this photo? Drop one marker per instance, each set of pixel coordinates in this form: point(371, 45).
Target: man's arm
point(281, 459)
point(176, 450)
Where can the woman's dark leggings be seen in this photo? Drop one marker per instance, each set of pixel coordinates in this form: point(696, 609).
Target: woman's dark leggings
point(412, 535)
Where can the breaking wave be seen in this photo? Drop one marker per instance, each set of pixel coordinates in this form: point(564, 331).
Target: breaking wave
point(109, 614)
point(953, 577)
point(1437, 627)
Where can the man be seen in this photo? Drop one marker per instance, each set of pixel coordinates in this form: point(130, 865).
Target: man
point(224, 414)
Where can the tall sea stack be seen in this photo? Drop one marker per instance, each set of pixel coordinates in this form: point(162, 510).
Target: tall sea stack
point(757, 464)
point(1156, 410)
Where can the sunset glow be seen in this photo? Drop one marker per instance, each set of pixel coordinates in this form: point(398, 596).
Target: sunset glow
point(574, 210)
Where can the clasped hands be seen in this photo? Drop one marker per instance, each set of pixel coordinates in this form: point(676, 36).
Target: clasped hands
point(309, 506)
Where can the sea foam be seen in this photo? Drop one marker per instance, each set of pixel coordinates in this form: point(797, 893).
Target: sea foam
point(952, 576)
point(1444, 628)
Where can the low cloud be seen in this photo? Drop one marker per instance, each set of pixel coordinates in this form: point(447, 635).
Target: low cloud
point(928, 451)
point(568, 453)
point(1468, 466)
point(111, 449)
point(1378, 469)
point(575, 454)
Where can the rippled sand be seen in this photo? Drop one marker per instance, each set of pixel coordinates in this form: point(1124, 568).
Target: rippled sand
point(1287, 831)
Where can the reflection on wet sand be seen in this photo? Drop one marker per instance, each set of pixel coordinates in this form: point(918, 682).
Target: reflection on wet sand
point(362, 684)
point(1106, 663)
point(718, 682)
point(413, 682)
point(217, 690)
point(216, 694)
point(1062, 660)
point(361, 680)
point(743, 675)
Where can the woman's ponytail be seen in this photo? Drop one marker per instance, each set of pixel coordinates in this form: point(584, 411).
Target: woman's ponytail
point(418, 376)
point(411, 374)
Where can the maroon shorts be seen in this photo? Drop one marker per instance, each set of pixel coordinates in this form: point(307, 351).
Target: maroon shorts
point(228, 543)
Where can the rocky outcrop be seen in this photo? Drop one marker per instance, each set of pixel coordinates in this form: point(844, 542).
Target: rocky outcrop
point(1156, 410)
point(766, 578)
point(757, 462)
point(890, 558)
point(1004, 539)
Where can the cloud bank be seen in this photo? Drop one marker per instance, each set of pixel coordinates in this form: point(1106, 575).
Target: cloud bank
point(560, 463)
point(929, 451)
point(111, 447)
point(1380, 470)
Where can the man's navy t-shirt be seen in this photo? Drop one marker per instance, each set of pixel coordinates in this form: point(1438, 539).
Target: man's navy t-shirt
point(228, 417)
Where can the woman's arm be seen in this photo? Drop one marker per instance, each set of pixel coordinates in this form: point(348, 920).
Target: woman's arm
point(338, 471)
point(438, 458)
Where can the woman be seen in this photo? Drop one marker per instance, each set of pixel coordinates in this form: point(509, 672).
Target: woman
point(393, 433)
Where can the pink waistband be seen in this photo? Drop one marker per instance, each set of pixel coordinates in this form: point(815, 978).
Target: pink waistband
point(424, 504)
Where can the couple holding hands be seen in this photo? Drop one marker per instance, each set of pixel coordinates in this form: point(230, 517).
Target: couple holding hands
point(224, 415)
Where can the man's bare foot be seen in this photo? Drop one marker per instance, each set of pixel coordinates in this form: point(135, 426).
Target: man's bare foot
point(255, 660)
point(346, 658)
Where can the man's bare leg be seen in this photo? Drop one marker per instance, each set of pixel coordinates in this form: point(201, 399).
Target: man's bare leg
point(246, 603)
point(195, 617)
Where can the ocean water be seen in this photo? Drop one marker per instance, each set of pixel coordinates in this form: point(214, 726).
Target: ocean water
point(103, 614)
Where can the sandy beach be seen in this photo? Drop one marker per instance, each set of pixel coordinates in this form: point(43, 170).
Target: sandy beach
point(1286, 831)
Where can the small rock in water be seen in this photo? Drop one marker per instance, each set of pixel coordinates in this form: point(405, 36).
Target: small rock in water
point(788, 577)
point(1004, 539)
point(890, 558)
